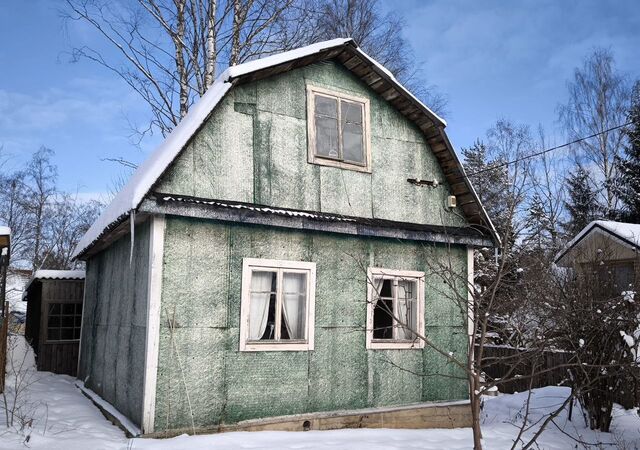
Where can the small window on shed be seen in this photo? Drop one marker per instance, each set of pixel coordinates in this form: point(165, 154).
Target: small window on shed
point(338, 130)
point(63, 321)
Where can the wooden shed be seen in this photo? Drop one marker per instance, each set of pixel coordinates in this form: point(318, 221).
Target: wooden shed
point(54, 316)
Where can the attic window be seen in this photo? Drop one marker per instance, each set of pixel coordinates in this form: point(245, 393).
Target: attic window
point(277, 305)
point(338, 126)
point(395, 309)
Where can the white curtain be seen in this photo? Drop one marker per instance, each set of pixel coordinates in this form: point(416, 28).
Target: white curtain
point(259, 307)
point(406, 308)
point(294, 304)
point(377, 289)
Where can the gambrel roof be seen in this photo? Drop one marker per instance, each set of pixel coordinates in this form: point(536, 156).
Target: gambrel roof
point(354, 59)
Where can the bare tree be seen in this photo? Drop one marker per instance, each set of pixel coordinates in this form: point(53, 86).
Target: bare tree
point(45, 222)
point(71, 219)
point(379, 35)
point(12, 211)
point(168, 51)
point(599, 99)
point(40, 183)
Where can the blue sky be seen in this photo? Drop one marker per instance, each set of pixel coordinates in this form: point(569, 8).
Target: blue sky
point(492, 59)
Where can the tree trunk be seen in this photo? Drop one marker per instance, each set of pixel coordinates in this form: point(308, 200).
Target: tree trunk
point(178, 41)
point(235, 40)
point(210, 70)
point(474, 396)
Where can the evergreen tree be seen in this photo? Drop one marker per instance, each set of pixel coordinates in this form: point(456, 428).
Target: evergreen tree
point(490, 185)
point(539, 225)
point(629, 168)
point(582, 205)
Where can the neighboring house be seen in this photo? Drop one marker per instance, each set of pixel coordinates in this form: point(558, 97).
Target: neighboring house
point(607, 249)
point(17, 280)
point(234, 276)
point(54, 316)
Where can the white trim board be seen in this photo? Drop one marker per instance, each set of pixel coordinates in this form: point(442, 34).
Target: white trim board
point(109, 409)
point(154, 292)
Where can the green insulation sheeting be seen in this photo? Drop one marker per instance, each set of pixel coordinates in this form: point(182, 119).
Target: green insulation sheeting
point(203, 377)
point(114, 323)
point(253, 149)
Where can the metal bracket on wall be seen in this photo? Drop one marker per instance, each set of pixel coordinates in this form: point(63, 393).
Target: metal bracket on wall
point(418, 182)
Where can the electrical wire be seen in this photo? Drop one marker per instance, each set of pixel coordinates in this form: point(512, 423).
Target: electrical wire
point(542, 152)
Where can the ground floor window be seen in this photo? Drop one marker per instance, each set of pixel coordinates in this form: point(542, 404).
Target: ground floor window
point(395, 309)
point(277, 311)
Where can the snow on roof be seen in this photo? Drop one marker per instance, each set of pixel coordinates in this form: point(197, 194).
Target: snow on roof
point(5, 231)
point(629, 233)
point(130, 197)
point(55, 275)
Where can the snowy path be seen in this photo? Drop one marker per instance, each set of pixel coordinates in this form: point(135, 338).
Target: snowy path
point(63, 418)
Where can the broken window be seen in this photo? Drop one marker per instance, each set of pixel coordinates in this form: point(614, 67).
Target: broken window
point(395, 309)
point(277, 305)
point(337, 131)
point(63, 321)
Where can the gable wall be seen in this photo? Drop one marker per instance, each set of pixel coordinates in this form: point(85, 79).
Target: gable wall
point(599, 246)
point(201, 372)
point(254, 149)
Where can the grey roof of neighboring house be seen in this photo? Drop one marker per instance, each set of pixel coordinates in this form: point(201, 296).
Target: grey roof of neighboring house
point(55, 275)
point(626, 233)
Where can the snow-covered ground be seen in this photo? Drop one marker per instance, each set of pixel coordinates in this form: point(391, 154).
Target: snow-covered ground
point(63, 418)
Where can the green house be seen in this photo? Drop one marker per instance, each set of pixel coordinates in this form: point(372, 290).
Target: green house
point(271, 265)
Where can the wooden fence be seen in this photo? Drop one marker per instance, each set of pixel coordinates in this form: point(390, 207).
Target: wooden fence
point(500, 362)
point(4, 328)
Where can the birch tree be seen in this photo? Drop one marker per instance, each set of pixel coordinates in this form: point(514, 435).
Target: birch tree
point(169, 51)
point(599, 99)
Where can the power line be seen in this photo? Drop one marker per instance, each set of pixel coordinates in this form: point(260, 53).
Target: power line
point(542, 152)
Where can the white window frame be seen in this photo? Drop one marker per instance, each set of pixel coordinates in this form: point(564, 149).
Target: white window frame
point(312, 91)
point(251, 264)
point(376, 272)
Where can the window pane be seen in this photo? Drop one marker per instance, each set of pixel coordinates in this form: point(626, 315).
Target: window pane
point(53, 321)
point(352, 135)
point(66, 334)
point(327, 137)
point(78, 321)
point(383, 319)
point(352, 143)
point(351, 112)
point(54, 308)
point(326, 106)
point(624, 277)
point(262, 305)
point(53, 334)
point(385, 290)
point(68, 308)
point(407, 308)
point(294, 305)
point(76, 333)
point(67, 321)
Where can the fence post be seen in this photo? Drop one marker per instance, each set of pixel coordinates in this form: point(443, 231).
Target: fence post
point(4, 327)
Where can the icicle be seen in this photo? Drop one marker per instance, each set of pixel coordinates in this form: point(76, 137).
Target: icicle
point(132, 220)
point(495, 251)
